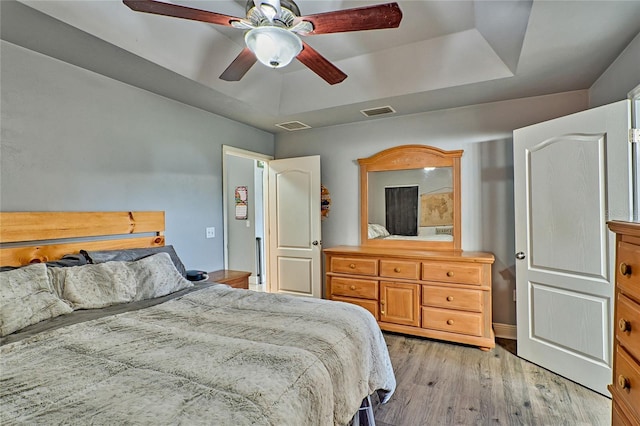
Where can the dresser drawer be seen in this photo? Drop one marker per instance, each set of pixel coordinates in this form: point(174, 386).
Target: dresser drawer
point(400, 269)
point(352, 287)
point(452, 272)
point(617, 416)
point(369, 305)
point(628, 269)
point(452, 321)
point(628, 325)
point(452, 298)
point(626, 378)
point(354, 265)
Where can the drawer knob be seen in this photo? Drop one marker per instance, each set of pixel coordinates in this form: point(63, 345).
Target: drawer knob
point(449, 298)
point(352, 287)
point(352, 265)
point(450, 322)
point(382, 302)
point(396, 269)
point(450, 273)
point(624, 325)
point(623, 382)
point(625, 269)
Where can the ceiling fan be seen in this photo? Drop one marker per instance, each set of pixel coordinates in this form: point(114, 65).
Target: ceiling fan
point(273, 30)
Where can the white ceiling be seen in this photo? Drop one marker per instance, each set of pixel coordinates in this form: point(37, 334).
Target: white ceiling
point(444, 54)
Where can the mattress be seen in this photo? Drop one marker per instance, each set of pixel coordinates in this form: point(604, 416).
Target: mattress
point(212, 355)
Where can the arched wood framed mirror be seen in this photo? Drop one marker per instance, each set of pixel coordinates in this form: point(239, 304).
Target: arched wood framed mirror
point(410, 198)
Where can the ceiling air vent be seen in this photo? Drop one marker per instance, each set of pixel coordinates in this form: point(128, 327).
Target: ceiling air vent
point(373, 112)
point(293, 125)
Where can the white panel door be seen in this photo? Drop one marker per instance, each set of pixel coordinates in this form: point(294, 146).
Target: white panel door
point(294, 226)
point(571, 175)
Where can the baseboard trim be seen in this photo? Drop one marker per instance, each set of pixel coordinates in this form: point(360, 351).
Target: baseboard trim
point(505, 331)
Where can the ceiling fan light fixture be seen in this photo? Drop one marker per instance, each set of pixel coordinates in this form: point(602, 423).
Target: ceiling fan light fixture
point(275, 47)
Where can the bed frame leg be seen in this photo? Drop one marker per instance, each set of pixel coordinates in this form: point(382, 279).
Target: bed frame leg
point(364, 416)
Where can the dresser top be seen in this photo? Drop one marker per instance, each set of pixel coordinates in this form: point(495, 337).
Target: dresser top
point(448, 255)
point(627, 228)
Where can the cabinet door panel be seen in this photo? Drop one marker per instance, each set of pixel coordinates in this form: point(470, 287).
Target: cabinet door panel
point(400, 303)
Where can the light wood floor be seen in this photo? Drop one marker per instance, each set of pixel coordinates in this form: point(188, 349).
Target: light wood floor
point(448, 384)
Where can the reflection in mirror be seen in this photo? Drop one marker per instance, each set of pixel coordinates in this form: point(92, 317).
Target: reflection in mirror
point(414, 204)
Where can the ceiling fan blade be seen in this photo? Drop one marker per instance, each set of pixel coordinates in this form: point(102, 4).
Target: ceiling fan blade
point(177, 11)
point(320, 65)
point(240, 65)
point(362, 18)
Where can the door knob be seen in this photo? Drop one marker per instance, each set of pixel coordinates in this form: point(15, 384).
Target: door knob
point(520, 255)
point(315, 243)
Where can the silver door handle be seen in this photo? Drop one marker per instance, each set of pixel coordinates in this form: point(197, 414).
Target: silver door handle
point(520, 255)
point(316, 242)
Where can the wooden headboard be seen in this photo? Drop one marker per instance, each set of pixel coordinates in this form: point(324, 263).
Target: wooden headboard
point(32, 237)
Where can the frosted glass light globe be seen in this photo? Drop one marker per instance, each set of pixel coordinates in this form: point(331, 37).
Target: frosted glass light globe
point(273, 46)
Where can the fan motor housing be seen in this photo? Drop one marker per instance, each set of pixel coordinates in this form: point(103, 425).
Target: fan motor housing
point(287, 4)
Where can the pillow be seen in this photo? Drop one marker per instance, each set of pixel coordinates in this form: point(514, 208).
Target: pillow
point(110, 283)
point(27, 298)
point(157, 276)
point(377, 231)
point(66, 260)
point(96, 286)
point(134, 254)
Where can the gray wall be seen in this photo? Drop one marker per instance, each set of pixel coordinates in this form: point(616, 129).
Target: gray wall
point(242, 239)
point(76, 140)
point(484, 132)
point(619, 79)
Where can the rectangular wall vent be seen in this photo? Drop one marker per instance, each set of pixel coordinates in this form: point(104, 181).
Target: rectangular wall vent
point(293, 125)
point(372, 112)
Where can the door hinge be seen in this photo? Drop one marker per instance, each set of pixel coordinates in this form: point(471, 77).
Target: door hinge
point(634, 135)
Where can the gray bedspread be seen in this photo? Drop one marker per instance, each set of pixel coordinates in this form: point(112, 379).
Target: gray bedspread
point(217, 356)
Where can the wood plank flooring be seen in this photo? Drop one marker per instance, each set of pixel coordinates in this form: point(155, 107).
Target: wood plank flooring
point(449, 384)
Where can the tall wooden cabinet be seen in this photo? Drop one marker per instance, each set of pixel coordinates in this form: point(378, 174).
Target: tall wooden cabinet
point(625, 389)
point(438, 294)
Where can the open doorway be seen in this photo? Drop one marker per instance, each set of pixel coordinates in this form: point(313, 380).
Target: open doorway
point(244, 206)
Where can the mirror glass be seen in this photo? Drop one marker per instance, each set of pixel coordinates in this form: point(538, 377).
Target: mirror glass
point(412, 204)
point(410, 198)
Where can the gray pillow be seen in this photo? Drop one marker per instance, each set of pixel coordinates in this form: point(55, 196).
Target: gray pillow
point(134, 254)
point(26, 298)
point(109, 283)
point(66, 261)
point(157, 276)
point(96, 286)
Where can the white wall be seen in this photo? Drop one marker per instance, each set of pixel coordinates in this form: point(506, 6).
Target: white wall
point(76, 140)
point(619, 79)
point(484, 132)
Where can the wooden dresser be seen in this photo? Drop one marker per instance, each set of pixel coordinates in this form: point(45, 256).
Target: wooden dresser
point(442, 295)
point(625, 389)
point(235, 279)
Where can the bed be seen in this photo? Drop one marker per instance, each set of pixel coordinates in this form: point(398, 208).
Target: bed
point(174, 352)
point(425, 233)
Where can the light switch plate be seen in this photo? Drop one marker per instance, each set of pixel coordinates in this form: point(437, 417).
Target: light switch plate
point(211, 232)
